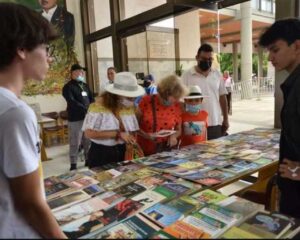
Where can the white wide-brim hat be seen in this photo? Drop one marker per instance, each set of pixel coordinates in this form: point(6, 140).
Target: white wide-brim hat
point(195, 92)
point(125, 84)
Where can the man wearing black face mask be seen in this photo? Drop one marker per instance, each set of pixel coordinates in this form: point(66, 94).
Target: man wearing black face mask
point(212, 85)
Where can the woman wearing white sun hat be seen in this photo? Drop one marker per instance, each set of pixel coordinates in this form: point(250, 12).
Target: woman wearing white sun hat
point(194, 118)
point(111, 121)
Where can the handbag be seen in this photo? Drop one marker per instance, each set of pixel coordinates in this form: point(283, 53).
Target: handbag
point(133, 150)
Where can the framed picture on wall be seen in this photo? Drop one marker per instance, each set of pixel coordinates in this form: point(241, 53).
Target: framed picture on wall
point(63, 52)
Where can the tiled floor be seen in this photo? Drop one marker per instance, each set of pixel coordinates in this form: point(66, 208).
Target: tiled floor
point(247, 114)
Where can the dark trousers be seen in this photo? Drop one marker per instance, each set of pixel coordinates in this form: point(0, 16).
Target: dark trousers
point(290, 198)
point(228, 96)
point(100, 154)
point(214, 132)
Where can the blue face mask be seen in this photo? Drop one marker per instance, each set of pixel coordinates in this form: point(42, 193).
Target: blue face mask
point(167, 103)
point(193, 108)
point(80, 78)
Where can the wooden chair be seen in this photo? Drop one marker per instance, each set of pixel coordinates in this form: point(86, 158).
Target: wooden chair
point(63, 115)
point(55, 132)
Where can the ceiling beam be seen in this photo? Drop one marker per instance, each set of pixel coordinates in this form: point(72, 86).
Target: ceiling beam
point(225, 21)
point(228, 3)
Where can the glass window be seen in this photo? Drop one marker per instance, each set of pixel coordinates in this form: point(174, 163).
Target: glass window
point(266, 5)
point(135, 7)
point(103, 59)
point(99, 14)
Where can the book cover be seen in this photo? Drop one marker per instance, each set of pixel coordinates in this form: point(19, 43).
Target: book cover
point(148, 198)
point(182, 230)
point(80, 210)
point(151, 181)
point(93, 190)
point(208, 196)
point(184, 204)
point(67, 200)
point(135, 227)
point(56, 189)
point(237, 233)
point(169, 194)
point(119, 181)
point(161, 235)
point(205, 223)
point(162, 214)
point(83, 182)
point(265, 225)
point(130, 190)
point(222, 214)
point(178, 188)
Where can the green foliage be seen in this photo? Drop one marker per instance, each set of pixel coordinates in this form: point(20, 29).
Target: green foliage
point(58, 74)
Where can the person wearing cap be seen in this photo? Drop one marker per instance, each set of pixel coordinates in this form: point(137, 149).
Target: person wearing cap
point(78, 97)
point(149, 87)
point(194, 118)
point(212, 84)
point(161, 111)
point(111, 121)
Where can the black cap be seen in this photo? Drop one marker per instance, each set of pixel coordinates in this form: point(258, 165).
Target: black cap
point(77, 67)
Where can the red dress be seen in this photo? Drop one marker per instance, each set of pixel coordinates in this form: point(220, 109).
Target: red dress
point(194, 128)
point(167, 118)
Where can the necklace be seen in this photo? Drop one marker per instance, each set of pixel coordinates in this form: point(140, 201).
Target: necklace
point(293, 171)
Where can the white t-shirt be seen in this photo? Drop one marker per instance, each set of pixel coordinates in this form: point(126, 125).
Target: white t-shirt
point(19, 156)
point(212, 86)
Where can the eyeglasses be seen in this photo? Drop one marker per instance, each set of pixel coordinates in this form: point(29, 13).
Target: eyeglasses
point(50, 50)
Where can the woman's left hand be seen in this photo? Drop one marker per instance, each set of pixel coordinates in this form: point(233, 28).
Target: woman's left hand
point(290, 169)
point(172, 141)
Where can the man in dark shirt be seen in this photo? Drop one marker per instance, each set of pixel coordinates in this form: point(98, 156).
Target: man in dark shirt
point(282, 40)
point(78, 97)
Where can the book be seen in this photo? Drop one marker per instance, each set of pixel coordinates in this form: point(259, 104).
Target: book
point(222, 214)
point(135, 227)
point(130, 190)
point(182, 230)
point(265, 225)
point(184, 204)
point(294, 230)
point(162, 214)
point(93, 190)
point(67, 200)
point(241, 205)
point(80, 210)
point(55, 190)
point(210, 225)
point(148, 198)
point(237, 233)
point(208, 196)
point(83, 182)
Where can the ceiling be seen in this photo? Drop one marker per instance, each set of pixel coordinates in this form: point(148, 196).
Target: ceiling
point(230, 27)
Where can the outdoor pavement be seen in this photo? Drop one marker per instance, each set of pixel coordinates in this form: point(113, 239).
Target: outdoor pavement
point(246, 115)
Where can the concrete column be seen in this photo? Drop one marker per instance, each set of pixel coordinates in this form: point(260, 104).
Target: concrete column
point(235, 62)
point(284, 9)
point(246, 46)
point(188, 25)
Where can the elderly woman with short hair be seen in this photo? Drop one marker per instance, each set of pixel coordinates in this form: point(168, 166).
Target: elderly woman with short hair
point(161, 112)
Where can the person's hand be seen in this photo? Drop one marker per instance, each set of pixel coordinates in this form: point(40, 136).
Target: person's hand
point(225, 126)
point(172, 141)
point(290, 169)
point(128, 138)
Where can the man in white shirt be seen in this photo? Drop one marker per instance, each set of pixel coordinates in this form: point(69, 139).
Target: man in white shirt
point(24, 212)
point(60, 18)
point(212, 85)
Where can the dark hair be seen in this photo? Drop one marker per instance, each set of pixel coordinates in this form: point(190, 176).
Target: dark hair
point(205, 48)
point(21, 28)
point(110, 101)
point(285, 29)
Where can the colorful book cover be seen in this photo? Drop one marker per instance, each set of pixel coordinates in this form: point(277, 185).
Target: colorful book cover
point(151, 181)
point(83, 182)
point(169, 194)
point(184, 204)
point(182, 230)
point(208, 196)
point(207, 224)
point(56, 189)
point(265, 225)
point(222, 214)
point(161, 235)
point(162, 214)
point(148, 198)
point(93, 190)
point(80, 210)
point(135, 227)
point(177, 188)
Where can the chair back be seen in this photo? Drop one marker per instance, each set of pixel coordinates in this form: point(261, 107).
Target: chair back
point(53, 115)
point(63, 115)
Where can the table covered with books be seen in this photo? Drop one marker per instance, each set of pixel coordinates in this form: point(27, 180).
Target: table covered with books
point(172, 194)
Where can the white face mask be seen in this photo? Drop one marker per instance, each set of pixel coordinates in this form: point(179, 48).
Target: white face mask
point(126, 103)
